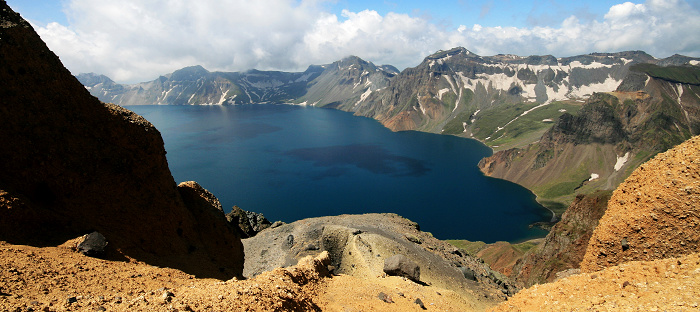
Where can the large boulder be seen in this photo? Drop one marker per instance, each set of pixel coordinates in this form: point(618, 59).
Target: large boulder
point(72, 165)
point(400, 265)
point(92, 244)
point(359, 245)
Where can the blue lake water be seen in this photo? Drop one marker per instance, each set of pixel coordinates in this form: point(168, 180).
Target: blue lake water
point(292, 162)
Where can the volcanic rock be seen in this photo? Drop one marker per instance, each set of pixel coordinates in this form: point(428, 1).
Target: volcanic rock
point(399, 265)
point(93, 244)
point(72, 165)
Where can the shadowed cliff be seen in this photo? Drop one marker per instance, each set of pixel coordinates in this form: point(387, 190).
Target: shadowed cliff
point(71, 165)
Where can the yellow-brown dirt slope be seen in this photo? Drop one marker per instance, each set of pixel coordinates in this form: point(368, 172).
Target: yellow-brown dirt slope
point(60, 279)
point(654, 214)
point(643, 255)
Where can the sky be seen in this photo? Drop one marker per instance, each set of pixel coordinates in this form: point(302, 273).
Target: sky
point(138, 40)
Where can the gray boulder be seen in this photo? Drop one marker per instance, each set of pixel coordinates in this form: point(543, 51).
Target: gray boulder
point(400, 265)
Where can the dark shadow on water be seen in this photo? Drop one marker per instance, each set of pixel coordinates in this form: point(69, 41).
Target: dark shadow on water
point(370, 157)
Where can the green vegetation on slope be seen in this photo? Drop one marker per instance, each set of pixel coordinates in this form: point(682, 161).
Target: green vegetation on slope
point(530, 127)
point(456, 125)
point(681, 74)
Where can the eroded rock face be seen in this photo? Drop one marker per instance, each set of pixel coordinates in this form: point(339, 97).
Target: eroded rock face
point(565, 245)
point(654, 214)
point(72, 165)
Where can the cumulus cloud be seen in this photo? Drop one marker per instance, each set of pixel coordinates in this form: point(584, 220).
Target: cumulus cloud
point(659, 27)
point(137, 40)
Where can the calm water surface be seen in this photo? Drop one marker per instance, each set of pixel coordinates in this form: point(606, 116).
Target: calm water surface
point(292, 162)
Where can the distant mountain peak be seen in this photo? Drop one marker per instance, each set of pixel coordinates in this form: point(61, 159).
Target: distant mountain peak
point(189, 73)
point(451, 52)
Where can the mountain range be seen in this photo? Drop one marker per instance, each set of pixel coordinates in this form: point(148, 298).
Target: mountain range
point(559, 126)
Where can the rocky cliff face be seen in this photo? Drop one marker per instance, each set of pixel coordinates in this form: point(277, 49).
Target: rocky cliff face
point(451, 91)
point(346, 83)
point(610, 135)
point(72, 165)
point(565, 245)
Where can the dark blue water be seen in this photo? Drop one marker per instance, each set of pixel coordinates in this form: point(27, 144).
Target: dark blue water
point(291, 162)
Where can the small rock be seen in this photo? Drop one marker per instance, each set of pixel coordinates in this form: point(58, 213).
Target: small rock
point(311, 247)
point(290, 241)
point(384, 297)
point(413, 239)
point(276, 224)
point(71, 300)
point(167, 296)
point(419, 303)
point(625, 244)
point(101, 308)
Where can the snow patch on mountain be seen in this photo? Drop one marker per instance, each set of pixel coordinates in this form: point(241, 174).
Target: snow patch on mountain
point(621, 161)
point(441, 92)
point(364, 96)
point(610, 84)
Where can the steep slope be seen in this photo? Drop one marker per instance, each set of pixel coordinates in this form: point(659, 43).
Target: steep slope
point(565, 245)
point(611, 134)
point(453, 91)
point(72, 165)
point(347, 83)
point(671, 284)
point(652, 215)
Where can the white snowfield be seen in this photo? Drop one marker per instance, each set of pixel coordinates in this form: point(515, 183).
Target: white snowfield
point(621, 161)
point(564, 90)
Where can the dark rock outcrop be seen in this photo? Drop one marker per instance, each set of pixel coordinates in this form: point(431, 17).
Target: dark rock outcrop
point(247, 223)
point(72, 165)
point(93, 244)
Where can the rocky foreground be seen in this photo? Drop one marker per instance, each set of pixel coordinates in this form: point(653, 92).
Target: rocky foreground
point(60, 279)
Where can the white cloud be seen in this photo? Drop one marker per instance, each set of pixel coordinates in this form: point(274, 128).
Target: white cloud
point(136, 40)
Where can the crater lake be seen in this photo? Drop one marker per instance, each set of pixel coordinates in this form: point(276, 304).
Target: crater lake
point(294, 162)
